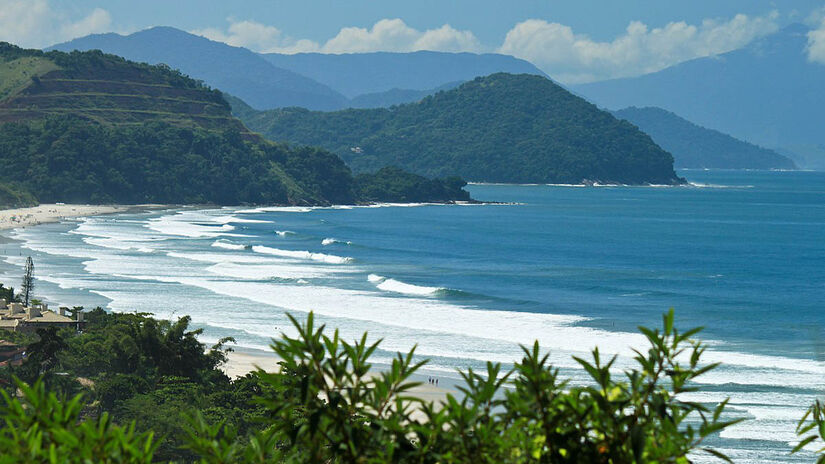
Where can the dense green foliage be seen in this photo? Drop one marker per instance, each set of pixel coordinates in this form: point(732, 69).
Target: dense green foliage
point(694, 146)
point(42, 428)
point(392, 184)
point(13, 195)
point(68, 159)
point(499, 128)
point(96, 128)
point(135, 369)
point(104, 88)
point(326, 404)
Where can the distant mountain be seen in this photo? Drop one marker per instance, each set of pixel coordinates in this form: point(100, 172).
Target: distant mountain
point(805, 156)
point(396, 96)
point(89, 127)
point(767, 93)
point(499, 128)
point(231, 69)
point(694, 146)
point(357, 74)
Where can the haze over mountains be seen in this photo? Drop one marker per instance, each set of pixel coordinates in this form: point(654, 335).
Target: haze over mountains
point(355, 74)
point(232, 69)
point(311, 80)
point(767, 93)
point(696, 147)
point(499, 128)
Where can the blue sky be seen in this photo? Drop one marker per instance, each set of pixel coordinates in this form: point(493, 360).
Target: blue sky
point(573, 40)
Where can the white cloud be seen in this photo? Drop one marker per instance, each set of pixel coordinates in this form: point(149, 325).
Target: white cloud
point(394, 35)
point(248, 34)
point(573, 58)
point(816, 44)
point(384, 35)
point(33, 23)
point(553, 47)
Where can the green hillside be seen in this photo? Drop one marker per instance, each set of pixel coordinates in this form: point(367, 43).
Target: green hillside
point(105, 89)
point(95, 128)
point(694, 146)
point(14, 196)
point(499, 128)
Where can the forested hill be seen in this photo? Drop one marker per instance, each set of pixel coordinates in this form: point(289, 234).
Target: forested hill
point(235, 70)
point(500, 128)
point(89, 127)
point(104, 88)
point(694, 146)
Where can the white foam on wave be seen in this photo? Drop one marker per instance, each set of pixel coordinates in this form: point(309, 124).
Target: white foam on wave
point(107, 243)
point(331, 241)
point(225, 244)
point(269, 271)
point(396, 286)
point(116, 244)
point(114, 229)
point(306, 255)
point(717, 186)
point(276, 209)
point(237, 220)
point(215, 258)
point(192, 224)
point(284, 233)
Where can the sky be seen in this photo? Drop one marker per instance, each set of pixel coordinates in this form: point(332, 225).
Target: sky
point(573, 41)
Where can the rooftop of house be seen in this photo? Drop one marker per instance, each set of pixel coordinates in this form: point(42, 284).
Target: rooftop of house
point(12, 314)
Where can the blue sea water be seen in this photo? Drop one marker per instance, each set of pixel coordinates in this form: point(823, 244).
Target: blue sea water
point(740, 253)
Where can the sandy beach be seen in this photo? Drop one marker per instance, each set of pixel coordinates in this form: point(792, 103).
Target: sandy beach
point(241, 363)
point(45, 213)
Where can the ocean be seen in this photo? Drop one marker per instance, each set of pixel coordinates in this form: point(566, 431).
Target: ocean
point(741, 253)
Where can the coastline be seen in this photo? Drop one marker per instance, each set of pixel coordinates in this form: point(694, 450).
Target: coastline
point(242, 362)
point(55, 212)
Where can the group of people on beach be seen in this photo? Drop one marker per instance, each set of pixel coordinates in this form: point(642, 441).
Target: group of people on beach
point(432, 380)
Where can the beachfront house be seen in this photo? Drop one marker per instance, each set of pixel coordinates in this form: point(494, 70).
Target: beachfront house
point(18, 318)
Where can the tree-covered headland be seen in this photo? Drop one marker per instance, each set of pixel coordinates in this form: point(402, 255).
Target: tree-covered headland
point(88, 127)
point(498, 128)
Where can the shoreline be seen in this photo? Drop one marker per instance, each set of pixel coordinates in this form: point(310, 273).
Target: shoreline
point(47, 213)
point(243, 361)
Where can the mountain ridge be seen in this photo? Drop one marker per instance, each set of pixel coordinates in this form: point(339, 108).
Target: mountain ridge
point(766, 93)
point(239, 71)
point(310, 80)
point(89, 127)
point(355, 74)
point(499, 128)
point(697, 147)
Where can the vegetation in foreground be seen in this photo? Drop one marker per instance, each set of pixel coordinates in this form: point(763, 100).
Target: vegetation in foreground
point(133, 389)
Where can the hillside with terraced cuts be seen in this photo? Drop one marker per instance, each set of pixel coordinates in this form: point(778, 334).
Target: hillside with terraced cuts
point(87, 127)
point(106, 89)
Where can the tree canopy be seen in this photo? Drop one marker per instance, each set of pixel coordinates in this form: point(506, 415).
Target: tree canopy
point(499, 128)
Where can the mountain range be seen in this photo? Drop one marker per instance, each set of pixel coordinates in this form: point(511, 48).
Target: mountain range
point(499, 128)
point(232, 69)
point(89, 127)
point(355, 74)
point(697, 147)
point(308, 80)
point(767, 93)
